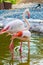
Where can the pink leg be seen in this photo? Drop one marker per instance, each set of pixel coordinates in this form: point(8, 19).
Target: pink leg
point(20, 50)
point(20, 47)
point(11, 47)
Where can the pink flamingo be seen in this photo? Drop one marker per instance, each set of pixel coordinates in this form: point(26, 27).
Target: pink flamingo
point(17, 29)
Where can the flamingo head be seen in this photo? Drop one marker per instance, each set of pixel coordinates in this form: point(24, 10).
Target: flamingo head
point(28, 13)
point(5, 29)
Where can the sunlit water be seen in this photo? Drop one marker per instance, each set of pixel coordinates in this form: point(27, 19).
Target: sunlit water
point(35, 56)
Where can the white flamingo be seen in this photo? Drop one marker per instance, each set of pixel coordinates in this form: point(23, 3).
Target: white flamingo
point(17, 29)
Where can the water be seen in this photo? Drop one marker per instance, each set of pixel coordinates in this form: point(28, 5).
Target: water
point(35, 56)
point(17, 13)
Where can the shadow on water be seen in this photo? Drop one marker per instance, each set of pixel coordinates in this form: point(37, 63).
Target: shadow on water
point(35, 56)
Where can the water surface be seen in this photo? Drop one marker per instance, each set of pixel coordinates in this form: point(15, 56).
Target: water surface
point(34, 57)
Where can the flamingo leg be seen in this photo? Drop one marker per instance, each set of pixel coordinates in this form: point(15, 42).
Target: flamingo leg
point(11, 48)
point(20, 50)
point(29, 46)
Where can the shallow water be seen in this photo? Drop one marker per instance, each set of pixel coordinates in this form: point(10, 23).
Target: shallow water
point(34, 57)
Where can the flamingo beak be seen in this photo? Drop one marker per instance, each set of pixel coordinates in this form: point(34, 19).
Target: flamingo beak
point(4, 30)
point(28, 14)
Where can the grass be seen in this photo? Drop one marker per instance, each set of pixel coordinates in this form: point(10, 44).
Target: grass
point(11, 1)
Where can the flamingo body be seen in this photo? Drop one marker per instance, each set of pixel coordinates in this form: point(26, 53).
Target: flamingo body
point(15, 26)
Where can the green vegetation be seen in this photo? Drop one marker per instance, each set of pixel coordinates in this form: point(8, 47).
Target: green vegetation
point(1, 1)
point(6, 1)
point(11, 1)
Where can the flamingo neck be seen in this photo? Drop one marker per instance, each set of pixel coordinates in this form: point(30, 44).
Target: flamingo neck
point(25, 20)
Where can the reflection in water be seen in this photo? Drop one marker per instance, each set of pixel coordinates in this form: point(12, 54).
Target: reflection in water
point(34, 57)
point(36, 54)
point(17, 56)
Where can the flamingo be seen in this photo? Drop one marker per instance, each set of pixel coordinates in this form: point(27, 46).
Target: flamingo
point(17, 29)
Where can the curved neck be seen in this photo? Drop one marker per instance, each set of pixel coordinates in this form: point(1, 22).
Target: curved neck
point(25, 20)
